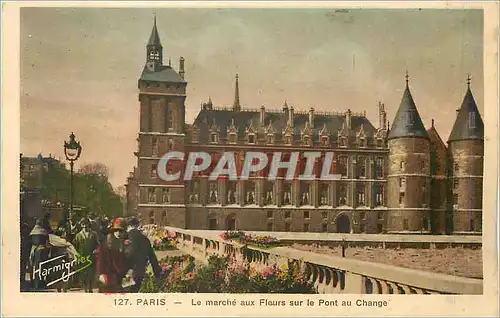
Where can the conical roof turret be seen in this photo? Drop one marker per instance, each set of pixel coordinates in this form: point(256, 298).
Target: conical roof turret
point(407, 122)
point(468, 124)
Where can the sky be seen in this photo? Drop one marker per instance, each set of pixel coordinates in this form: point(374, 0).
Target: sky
point(80, 66)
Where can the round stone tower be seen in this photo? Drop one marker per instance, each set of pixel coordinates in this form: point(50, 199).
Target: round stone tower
point(408, 179)
point(466, 144)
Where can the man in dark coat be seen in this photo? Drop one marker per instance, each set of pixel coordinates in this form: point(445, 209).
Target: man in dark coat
point(86, 241)
point(140, 253)
point(40, 251)
point(111, 260)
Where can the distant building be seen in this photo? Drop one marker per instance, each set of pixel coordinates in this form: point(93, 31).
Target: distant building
point(31, 174)
point(394, 180)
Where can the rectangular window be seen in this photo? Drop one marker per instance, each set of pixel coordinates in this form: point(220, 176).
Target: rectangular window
point(342, 194)
point(287, 214)
point(455, 184)
point(380, 215)
point(213, 138)
point(232, 138)
point(306, 227)
point(455, 167)
point(154, 146)
point(324, 227)
point(402, 184)
point(269, 214)
point(323, 199)
point(360, 194)
point(304, 194)
point(361, 164)
point(269, 139)
point(170, 120)
point(379, 194)
point(152, 195)
point(379, 167)
point(342, 165)
point(287, 194)
point(362, 228)
point(362, 215)
point(455, 198)
point(166, 195)
point(405, 225)
point(380, 228)
point(402, 199)
point(324, 215)
point(213, 194)
point(306, 215)
point(153, 171)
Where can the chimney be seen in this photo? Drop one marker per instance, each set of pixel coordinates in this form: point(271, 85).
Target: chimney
point(348, 119)
point(311, 117)
point(181, 67)
point(290, 116)
point(262, 115)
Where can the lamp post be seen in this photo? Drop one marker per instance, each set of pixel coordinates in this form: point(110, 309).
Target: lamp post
point(72, 151)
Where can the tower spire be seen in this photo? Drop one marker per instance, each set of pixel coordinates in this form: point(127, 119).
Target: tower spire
point(154, 49)
point(236, 104)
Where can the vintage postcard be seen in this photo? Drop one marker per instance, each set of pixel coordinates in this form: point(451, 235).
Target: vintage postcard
point(250, 159)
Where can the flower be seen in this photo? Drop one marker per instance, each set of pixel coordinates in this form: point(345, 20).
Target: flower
point(219, 273)
point(190, 275)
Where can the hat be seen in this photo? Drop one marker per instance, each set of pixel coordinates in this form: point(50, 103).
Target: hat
point(38, 230)
point(133, 221)
point(118, 224)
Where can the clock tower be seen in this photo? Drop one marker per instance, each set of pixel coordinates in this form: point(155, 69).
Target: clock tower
point(162, 95)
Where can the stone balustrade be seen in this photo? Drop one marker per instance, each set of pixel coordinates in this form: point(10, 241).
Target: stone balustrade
point(330, 274)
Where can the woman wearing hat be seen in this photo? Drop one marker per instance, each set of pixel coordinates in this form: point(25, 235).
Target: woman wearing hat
point(111, 260)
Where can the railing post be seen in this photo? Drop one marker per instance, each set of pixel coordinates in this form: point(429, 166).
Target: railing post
point(354, 284)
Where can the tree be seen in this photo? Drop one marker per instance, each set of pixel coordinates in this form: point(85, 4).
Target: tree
point(97, 168)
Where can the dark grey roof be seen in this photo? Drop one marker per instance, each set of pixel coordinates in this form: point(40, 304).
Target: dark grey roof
point(154, 38)
point(468, 114)
point(164, 74)
point(407, 122)
point(223, 118)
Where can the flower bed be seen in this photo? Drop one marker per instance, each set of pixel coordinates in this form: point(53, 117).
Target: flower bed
point(225, 275)
point(162, 240)
point(243, 238)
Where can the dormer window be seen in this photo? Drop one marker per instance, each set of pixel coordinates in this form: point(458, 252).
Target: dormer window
point(362, 143)
point(194, 136)
point(251, 138)
point(270, 139)
point(410, 117)
point(380, 143)
point(232, 138)
point(324, 141)
point(472, 120)
point(214, 138)
point(288, 140)
point(343, 142)
point(306, 140)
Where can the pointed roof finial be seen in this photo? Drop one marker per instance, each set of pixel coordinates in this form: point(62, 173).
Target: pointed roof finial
point(236, 104)
point(407, 77)
point(468, 80)
point(432, 121)
point(154, 38)
point(169, 62)
point(154, 15)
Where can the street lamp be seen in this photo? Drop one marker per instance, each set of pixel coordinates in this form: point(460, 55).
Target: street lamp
point(72, 151)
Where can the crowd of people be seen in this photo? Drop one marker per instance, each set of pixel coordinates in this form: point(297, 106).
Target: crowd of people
point(118, 250)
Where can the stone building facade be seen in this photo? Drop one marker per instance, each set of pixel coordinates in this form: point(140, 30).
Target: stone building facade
point(394, 180)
